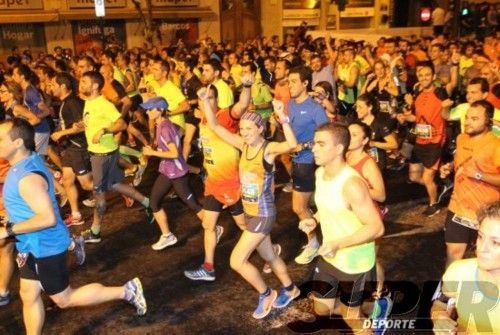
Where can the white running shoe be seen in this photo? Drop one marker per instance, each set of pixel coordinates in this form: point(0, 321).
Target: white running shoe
point(164, 241)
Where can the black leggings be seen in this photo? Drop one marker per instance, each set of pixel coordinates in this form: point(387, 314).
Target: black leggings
point(163, 184)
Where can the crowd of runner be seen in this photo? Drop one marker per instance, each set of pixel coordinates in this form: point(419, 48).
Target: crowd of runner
point(338, 116)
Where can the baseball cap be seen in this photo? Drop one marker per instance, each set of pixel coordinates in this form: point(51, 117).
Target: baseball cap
point(155, 102)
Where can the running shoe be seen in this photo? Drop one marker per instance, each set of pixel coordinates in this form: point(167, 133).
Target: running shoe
point(277, 251)
point(265, 305)
point(307, 255)
point(89, 237)
point(138, 175)
point(164, 241)
point(134, 295)
point(381, 311)
point(73, 220)
point(447, 187)
point(285, 297)
point(219, 230)
point(79, 249)
point(4, 299)
point(89, 202)
point(200, 274)
point(432, 210)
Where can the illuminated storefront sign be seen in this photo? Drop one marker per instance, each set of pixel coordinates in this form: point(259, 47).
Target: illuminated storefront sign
point(21, 4)
point(90, 3)
point(175, 3)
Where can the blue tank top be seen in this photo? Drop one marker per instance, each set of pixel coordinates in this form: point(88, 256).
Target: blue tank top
point(43, 243)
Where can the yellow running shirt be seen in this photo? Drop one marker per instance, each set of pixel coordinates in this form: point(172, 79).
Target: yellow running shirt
point(99, 113)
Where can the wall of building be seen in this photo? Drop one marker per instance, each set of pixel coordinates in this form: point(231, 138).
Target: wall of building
point(59, 33)
point(271, 16)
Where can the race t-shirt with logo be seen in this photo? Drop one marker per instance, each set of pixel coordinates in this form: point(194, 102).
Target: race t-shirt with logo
point(304, 119)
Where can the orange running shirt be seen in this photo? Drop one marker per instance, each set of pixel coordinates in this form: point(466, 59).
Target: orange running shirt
point(470, 194)
point(429, 124)
point(221, 161)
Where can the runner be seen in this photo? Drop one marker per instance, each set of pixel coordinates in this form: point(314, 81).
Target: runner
point(42, 238)
point(305, 115)
point(75, 158)
point(102, 120)
point(477, 178)
point(222, 185)
point(350, 223)
point(430, 103)
point(256, 176)
point(470, 287)
point(173, 169)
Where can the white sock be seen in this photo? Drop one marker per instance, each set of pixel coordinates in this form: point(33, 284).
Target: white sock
point(76, 214)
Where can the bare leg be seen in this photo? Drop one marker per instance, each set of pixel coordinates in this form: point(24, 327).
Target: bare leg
point(6, 264)
point(33, 310)
point(246, 245)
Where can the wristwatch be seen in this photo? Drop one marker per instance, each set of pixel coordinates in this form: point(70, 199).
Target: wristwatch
point(478, 175)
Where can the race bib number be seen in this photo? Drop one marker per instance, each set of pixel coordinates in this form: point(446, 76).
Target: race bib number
point(423, 130)
point(249, 192)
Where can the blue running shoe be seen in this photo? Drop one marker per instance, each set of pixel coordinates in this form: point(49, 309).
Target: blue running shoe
point(265, 305)
point(285, 297)
point(381, 311)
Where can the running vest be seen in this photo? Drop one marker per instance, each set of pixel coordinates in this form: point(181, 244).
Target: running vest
point(338, 221)
point(43, 243)
point(257, 184)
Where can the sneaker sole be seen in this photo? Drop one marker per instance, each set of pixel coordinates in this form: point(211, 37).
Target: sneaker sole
point(266, 312)
point(164, 247)
point(94, 240)
point(199, 278)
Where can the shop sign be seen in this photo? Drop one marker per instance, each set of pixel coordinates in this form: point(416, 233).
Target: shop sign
point(95, 36)
point(171, 31)
point(21, 4)
point(29, 35)
point(91, 4)
point(175, 3)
